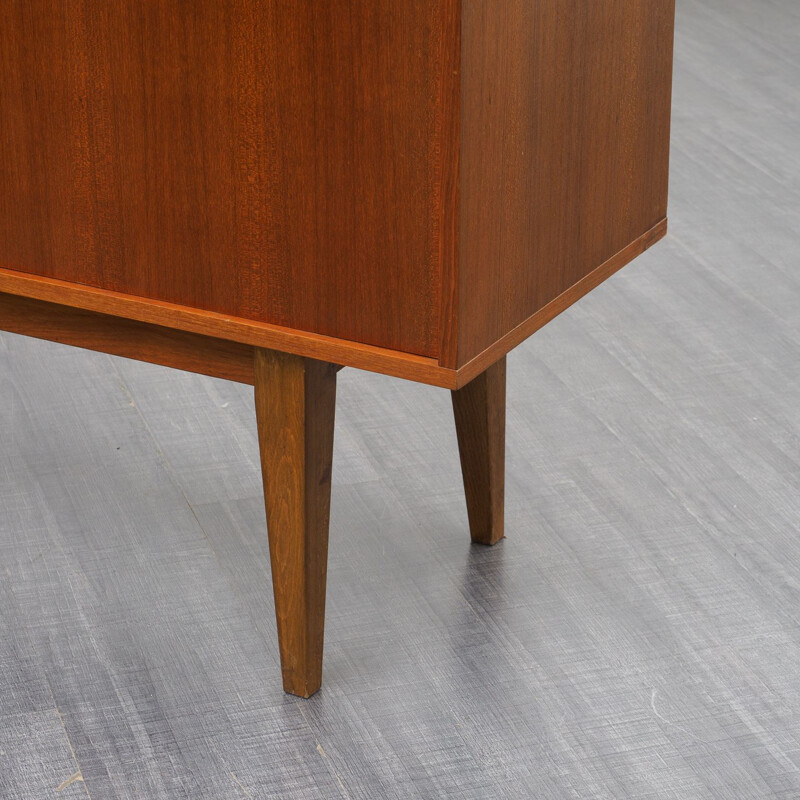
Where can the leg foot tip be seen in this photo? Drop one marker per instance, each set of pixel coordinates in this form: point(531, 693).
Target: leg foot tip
point(489, 541)
point(300, 689)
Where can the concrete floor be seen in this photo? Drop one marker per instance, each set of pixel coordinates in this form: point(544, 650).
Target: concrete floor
point(636, 636)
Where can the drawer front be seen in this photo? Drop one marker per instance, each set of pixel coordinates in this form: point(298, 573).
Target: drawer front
point(276, 160)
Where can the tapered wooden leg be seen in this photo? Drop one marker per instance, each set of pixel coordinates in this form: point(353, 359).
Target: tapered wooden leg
point(480, 412)
point(295, 407)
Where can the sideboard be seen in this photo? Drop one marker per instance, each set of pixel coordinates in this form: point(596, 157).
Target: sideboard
point(269, 190)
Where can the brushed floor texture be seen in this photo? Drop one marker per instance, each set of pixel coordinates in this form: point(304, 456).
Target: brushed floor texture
point(637, 635)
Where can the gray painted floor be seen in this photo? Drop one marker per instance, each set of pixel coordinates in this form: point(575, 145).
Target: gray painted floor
point(636, 636)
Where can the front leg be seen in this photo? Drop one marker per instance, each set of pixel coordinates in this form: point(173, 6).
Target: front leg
point(295, 408)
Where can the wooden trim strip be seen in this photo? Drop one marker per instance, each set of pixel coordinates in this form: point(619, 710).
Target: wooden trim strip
point(545, 314)
point(234, 329)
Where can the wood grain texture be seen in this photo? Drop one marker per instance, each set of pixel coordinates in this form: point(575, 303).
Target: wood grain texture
point(218, 358)
point(295, 407)
point(565, 119)
point(275, 160)
point(479, 409)
point(449, 181)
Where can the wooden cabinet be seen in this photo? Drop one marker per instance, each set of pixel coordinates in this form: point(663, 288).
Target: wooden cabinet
point(406, 186)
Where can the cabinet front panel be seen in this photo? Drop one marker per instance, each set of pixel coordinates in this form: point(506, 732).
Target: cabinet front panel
point(270, 159)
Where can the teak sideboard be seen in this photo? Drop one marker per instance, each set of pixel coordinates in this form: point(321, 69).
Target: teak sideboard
point(269, 190)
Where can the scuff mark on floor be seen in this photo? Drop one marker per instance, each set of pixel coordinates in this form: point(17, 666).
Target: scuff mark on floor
point(241, 786)
point(69, 781)
point(674, 724)
point(322, 752)
point(76, 776)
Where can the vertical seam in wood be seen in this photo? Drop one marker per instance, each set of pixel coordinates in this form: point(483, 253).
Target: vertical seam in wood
point(448, 181)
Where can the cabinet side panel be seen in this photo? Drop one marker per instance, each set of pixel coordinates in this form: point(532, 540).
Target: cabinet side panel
point(275, 160)
point(565, 114)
